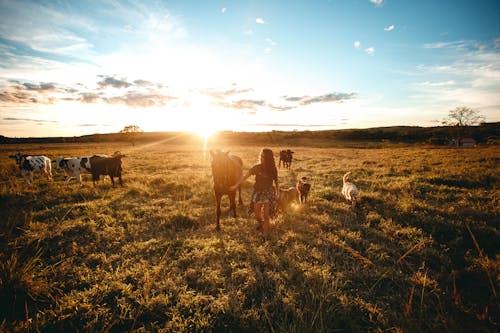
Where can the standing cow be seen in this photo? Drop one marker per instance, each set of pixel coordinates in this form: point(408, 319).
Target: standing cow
point(30, 164)
point(73, 167)
point(286, 157)
point(111, 166)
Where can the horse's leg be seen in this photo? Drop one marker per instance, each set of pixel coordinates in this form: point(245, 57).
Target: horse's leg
point(232, 202)
point(240, 201)
point(217, 200)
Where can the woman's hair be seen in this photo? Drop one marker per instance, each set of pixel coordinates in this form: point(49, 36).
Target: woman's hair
point(267, 161)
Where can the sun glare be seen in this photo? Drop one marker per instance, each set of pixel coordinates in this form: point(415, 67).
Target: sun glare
point(196, 114)
point(205, 119)
point(205, 133)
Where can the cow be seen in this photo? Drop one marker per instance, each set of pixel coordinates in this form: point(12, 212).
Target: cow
point(111, 166)
point(286, 157)
point(73, 167)
point(30, 164)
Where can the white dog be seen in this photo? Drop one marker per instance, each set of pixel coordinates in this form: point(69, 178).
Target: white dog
point(287, 197)
point(349, 190)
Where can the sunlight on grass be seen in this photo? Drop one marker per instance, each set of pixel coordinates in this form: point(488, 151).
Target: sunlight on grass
point(146, 257)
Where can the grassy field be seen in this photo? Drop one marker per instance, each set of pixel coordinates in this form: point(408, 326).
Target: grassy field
point(418, 254)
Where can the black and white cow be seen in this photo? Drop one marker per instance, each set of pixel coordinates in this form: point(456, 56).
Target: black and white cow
point(73, 167)
point(30, 164)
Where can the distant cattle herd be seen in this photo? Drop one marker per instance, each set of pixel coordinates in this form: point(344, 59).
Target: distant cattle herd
point(73, 167)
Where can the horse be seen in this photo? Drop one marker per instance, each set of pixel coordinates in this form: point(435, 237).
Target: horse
point(226, 171)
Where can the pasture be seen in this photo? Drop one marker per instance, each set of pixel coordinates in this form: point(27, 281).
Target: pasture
point(418, 254)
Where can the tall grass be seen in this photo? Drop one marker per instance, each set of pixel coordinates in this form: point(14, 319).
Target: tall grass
point(419, 253)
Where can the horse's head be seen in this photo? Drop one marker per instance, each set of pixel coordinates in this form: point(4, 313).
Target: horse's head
point(220, 161)
point(225, 170)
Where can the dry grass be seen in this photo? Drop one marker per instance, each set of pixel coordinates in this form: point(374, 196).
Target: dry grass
point(419, 253)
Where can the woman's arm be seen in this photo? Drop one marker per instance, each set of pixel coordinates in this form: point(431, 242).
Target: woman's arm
point(241, 180)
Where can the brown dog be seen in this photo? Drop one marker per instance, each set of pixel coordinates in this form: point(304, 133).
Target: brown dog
point(287, 197)
point(303, 188)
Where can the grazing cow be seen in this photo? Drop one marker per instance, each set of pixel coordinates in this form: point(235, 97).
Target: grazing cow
point(111, 166)
point(30, 164)
point(286, 158)
point(303, 187)
point(227, 170)
point(74, 167)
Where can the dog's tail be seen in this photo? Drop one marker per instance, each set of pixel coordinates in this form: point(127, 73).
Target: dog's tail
point(346, 177)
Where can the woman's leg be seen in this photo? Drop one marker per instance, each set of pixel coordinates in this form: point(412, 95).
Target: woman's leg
point(265, 227)
point(258, 211)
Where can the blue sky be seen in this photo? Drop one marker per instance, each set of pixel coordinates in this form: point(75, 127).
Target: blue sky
point(81, 67)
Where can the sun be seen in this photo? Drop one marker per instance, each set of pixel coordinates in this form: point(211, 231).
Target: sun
point(205, 119)
point(204, 125)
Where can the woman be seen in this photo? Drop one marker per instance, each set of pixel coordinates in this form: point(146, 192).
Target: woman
point(264, 195)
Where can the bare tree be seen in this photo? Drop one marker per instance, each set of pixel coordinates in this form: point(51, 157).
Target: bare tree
point(461, 118)
point(131, 132)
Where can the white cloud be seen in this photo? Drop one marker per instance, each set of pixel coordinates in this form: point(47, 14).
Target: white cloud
point(471, 77)
point(248, 32)
point(377, 2)
point(268, 49)
point(357, 44)
point(271, 42)
point(370, 51)
point(497, 43)
point(223, 10)
point(70, 32)
point(436, 84)
point(45, 29)
point(460, 44)
point(390, 28)
point(259, 20)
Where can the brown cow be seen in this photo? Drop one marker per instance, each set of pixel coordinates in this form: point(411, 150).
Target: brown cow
point(111, 166)
point(286, 158)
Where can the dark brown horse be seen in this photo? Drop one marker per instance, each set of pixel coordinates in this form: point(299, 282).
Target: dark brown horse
point(226, 171)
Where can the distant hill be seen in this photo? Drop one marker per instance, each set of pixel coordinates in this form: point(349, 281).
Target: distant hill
point(486, 133)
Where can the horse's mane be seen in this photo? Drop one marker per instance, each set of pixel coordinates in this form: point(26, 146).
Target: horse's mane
point(226, 168)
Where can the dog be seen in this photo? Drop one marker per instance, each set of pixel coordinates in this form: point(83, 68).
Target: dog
point(287, 197)
point(303, 187)
point(349, 190)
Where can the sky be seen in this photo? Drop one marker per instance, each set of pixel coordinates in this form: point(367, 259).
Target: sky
point(71, 68)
